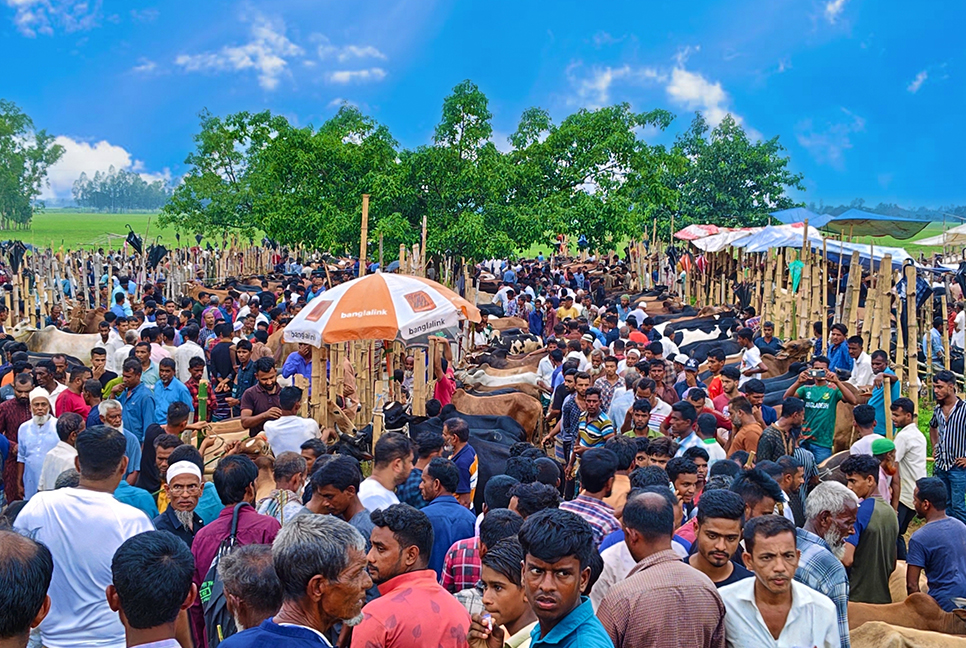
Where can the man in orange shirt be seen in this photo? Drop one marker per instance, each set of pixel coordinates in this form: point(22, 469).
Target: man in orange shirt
point(747, 430)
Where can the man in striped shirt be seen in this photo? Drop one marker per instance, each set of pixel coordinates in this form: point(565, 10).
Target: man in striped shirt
point(947, 430)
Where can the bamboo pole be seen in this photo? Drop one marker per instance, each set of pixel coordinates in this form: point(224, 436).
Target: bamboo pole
point(928, 350)
point(365, 236)
point(419, 383)
point(887, 405)
point(900, 344)
point(824, 277)
point(884, 303)
point(945, 314)
point(315, 389)
point(912, 346)
point(422, 250)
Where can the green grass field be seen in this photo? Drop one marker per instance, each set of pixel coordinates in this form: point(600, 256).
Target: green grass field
point(73, 228)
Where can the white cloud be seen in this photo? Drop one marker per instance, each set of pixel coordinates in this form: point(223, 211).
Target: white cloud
point(145, 15)
point(43, 16)
point(145, 66)
point(828, 145)
point(917, 82)
point(354, 76)
point(685, 88)
point(91, 157)
point(593, 91)
point(327, 50)
point(833, 9)
point(267, 54)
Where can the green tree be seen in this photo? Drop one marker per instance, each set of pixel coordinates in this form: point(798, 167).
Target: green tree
point(729, 180)
point(25, 156)
point(216, 197)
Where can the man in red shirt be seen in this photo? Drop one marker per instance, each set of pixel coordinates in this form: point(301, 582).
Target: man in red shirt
point(14, 413)
point(72, 399)
point(413, 610)
point(235, 483)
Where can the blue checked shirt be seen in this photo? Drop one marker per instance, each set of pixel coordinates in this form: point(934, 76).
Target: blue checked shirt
point(408, 491)
point(823, 572)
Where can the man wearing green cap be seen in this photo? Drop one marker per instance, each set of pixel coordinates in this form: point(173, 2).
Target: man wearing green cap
point(624, 308)
point(870, 552)
point(890, 486)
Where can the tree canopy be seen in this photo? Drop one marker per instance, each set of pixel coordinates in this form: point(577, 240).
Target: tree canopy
point(119, 190)
point(592, 174)
point(25, 156)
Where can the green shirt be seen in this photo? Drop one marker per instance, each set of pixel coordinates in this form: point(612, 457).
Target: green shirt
point(820, 405)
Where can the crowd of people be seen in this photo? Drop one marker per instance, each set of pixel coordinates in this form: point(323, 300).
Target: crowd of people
point(666, 506)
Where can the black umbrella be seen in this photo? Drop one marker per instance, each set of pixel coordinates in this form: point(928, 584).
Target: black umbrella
point(15, 254)
point(134, 241)
point(155, 254)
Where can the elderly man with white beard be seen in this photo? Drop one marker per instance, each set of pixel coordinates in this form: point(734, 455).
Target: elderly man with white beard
point(321, 563)
point(183, 488)
point(830, 512)
point(36, 437)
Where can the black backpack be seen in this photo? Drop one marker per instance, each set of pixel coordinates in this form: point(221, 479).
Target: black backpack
point(219, 623)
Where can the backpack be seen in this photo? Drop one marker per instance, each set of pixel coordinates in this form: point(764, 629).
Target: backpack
point(219, 623)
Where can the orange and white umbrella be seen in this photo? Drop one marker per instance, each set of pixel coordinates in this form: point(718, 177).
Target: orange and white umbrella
point(379, 307)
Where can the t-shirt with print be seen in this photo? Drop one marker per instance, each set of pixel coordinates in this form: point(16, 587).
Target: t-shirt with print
point(820, 403)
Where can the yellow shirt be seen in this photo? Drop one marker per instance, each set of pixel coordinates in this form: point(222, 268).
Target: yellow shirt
point(564, 313)
point(520, 639)
point(162, 500)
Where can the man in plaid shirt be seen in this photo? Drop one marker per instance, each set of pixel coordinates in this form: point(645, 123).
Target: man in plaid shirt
point(597, 469)
point(830, 512)
point(196, 367)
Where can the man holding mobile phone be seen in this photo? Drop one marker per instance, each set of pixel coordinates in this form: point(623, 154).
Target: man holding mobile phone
point(821, 399)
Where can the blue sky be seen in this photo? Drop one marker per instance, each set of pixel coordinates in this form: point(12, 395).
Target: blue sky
point(866, 96)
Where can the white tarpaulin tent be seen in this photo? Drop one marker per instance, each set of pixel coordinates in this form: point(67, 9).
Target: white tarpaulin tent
point(776, 236)
point(952, 236)
point(718, 242)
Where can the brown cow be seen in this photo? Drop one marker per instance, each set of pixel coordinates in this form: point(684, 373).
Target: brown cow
point(795, 351)
point(280, 349)
point(919, 611)
point(523, 388)
point(504, 323)
point(81, 320)
point(877, 634)
point(523, 409)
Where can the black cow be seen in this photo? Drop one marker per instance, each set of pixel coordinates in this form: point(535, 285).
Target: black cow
point(700, 350)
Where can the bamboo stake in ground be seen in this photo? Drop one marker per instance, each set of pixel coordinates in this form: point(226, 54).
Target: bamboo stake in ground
point(900, 343)
point(884, 303)
point(887, 405)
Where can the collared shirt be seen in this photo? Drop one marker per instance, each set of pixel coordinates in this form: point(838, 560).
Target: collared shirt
point(35, 442)
point(183, 356)
point(59, 459)
point(244, 379)
point(408, 491)
point(570, 416)
point(839, 358)
point(136, 497)
point(862, 371)
point(295, 363)
point(810, 620)
point(952, 435)
point(823, 572)
point(258, 401)
point(645, 608)
point(911, 457)
point(599, 514)
point(461, 567)
point(579, 629)
point(413, 611)
point(451, 522)
point(150, 376)
point(137, 409)
point(168, 521)
point(174, 392)
point(607, 391)
point(211, 404)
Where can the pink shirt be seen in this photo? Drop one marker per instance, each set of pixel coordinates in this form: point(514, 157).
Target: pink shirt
point(445, 388)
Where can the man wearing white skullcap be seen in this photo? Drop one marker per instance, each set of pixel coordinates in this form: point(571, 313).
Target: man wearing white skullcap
point(36, 438)
point(183, 488)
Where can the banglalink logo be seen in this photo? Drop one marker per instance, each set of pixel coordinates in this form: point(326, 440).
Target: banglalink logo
point(419, 301)
point(318, 310)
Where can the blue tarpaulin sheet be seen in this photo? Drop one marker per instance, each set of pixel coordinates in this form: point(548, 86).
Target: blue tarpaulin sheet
point(800, 215)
